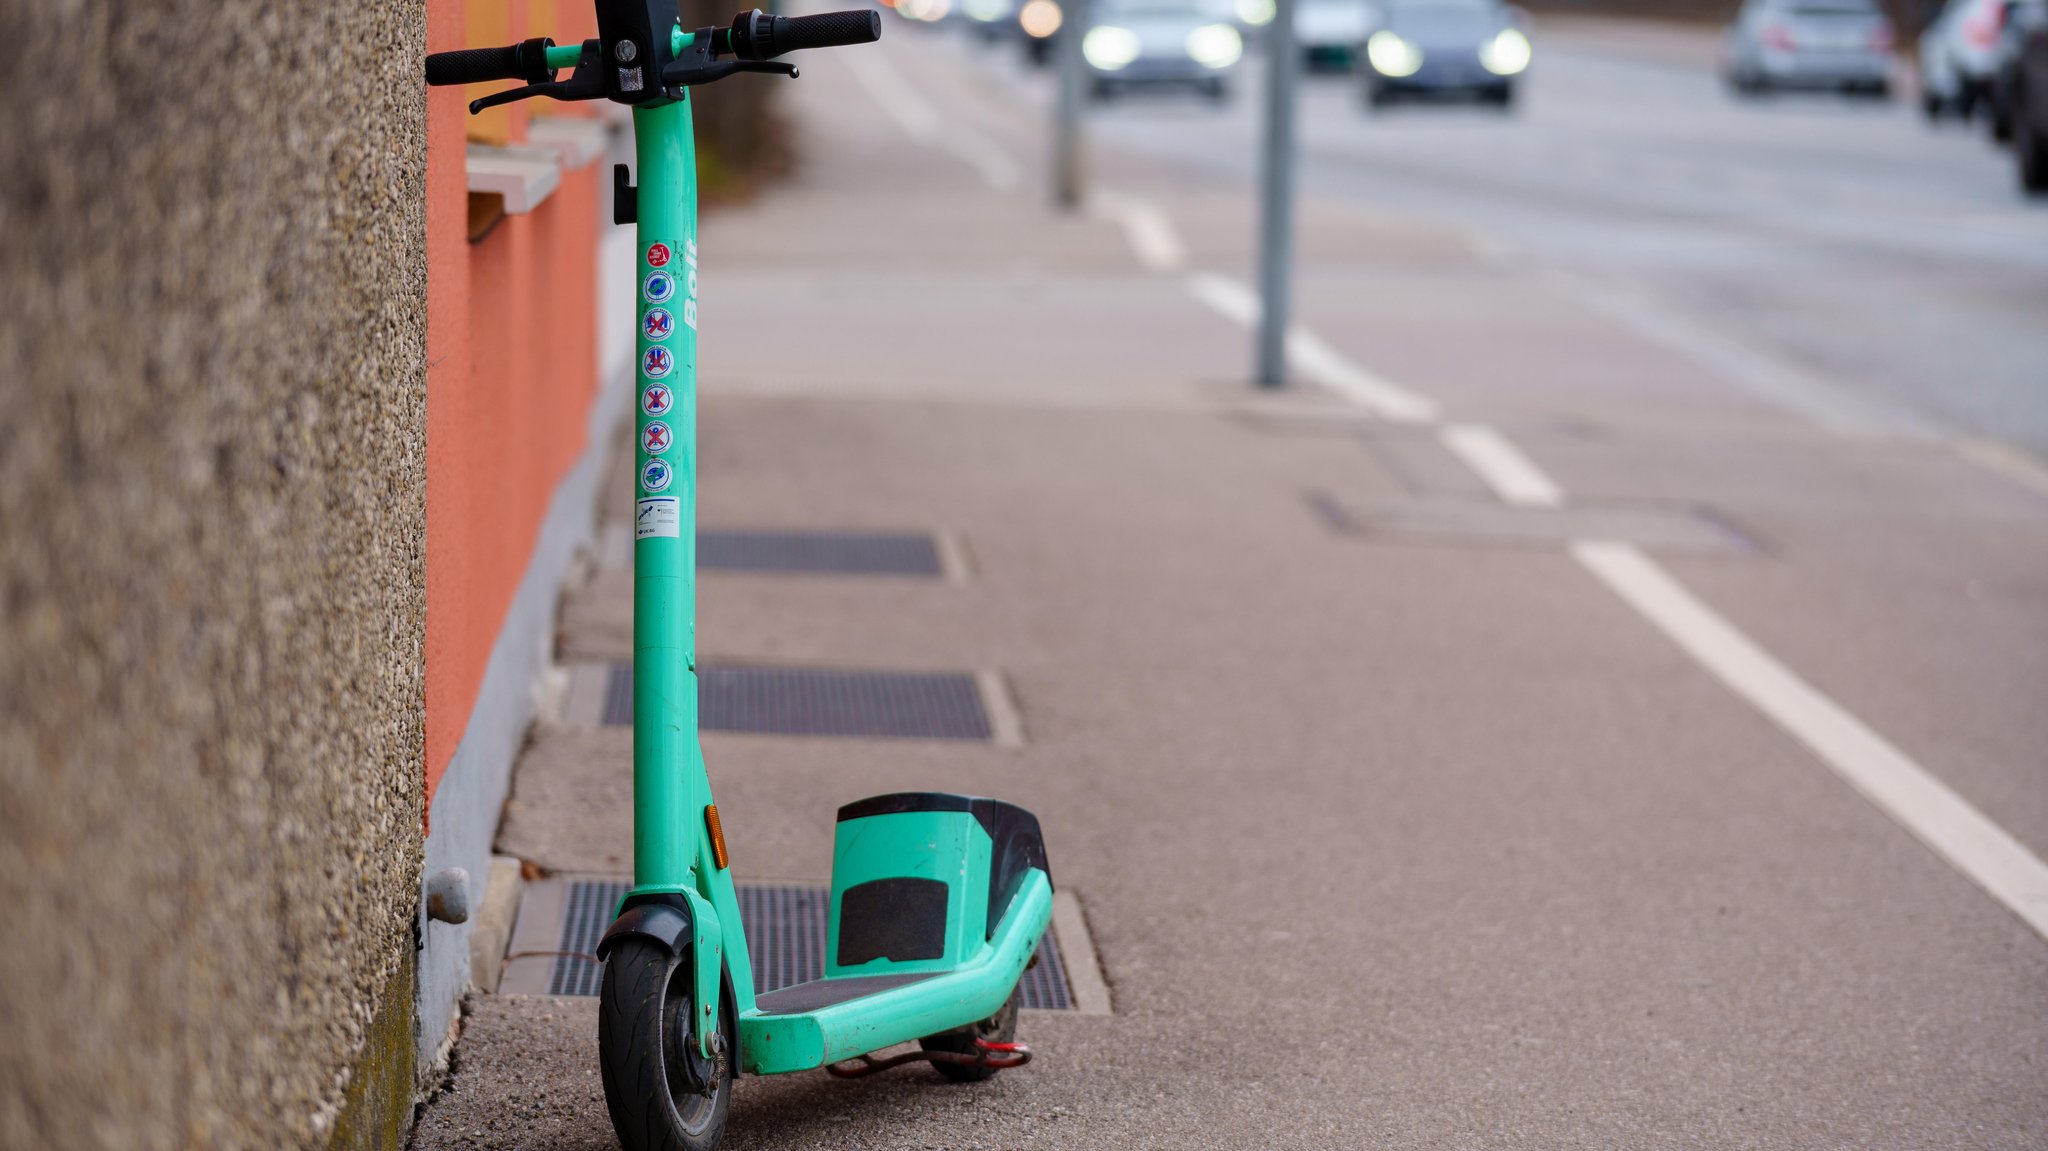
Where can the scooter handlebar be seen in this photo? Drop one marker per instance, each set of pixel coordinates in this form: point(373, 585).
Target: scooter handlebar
point(759, 36)
point(527, 60)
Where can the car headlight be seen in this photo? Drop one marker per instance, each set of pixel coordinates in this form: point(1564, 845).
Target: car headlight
point(1109, 47)
point(1392, 56)
point(1505, 54)
point(1215, 45)
point(1256, 12)
point(1039, 19)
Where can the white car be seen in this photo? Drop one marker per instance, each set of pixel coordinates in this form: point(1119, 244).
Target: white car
point(1958, 55)
point(1160, 44)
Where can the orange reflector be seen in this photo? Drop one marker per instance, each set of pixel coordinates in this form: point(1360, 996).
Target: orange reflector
point(717, 834)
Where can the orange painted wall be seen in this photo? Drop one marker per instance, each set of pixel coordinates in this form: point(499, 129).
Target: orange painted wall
point(512, 371)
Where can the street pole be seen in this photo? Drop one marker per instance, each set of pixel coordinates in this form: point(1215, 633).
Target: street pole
point(1276, 208)
point(1068, 162)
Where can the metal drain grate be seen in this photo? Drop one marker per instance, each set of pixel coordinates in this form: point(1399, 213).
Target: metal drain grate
point(819, 701)
point(819, 553)
point(587, 913)
point(785, 939)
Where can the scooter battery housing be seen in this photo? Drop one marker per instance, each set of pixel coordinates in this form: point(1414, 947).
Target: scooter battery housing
point(920, 880)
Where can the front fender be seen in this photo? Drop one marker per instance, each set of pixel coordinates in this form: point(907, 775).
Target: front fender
point(678, 919)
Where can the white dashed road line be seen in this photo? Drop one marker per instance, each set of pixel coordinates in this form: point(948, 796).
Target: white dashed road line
point(1151, 234)
point(1512, 476)
point(1882, 773)
point(1886, 776)
point(1314, 359)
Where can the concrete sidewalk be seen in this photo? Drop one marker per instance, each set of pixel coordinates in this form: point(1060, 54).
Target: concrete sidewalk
point(1384, 835)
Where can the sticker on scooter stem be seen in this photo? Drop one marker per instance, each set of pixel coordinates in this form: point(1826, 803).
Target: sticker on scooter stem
point(658, 517)
point(655, 438)
point(658, 362)
point(657, 324)
point(658, 255)
point(656, 475)
point(657, 400)
point(658, 287)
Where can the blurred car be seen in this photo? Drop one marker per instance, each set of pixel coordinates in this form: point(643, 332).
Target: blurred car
point(2021, 18)
point(1957, 54)
point(1841, 45)
point(990, 19)
point(1331, 33)
point(1159, 43)
point(1445, 48)
point(2030, 111)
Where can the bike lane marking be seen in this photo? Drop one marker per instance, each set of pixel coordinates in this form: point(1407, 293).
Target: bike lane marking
point(1513, 476)
point(1886, 776)
point(1308, 354)
point(1149, 231)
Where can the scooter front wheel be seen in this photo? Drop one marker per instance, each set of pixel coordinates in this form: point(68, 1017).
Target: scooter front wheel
point(663, 1095)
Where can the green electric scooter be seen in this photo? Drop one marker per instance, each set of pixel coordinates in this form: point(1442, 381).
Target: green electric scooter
point(938, 900)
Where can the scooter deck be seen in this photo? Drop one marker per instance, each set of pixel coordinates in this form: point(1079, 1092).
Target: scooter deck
point(827, 1020)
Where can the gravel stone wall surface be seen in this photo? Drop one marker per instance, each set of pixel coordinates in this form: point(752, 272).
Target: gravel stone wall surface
point(212, 473)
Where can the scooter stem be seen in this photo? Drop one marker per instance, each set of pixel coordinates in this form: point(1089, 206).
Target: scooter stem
point(667, 759)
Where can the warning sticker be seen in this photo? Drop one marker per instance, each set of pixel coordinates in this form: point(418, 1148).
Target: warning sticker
point(658, 255)
point(657, 400)
point(655, 438)
point(658, 518)
point(657, 362)
point(658, 286)
point(657, 324)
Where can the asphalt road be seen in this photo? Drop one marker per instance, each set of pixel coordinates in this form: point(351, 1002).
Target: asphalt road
point(1892, 260)
point(1600, 704)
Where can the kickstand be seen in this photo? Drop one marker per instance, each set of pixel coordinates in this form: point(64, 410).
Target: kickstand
point(986, 1054)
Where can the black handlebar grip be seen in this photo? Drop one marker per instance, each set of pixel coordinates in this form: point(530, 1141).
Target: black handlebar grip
point(526, 60)
point(829, 30)
point(759, 36)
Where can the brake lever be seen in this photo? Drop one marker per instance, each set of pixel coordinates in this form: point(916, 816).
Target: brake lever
point(701, 66)
point(585, 83)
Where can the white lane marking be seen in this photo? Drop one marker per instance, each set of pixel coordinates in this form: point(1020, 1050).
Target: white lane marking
point(1826, 405)
point(1150, 232)
point(1514, 477)
point(922, 122)
point(1886, 776)
point(1225, 295)
point(2008, 461)
point(1315, 359)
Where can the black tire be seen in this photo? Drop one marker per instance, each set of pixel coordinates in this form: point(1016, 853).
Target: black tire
point(655, 1103)
point(998, 1028)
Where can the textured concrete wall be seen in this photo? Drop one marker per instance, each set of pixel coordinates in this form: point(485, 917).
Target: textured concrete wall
point(212, 338)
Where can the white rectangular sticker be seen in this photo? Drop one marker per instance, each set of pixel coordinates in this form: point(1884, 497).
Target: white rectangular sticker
point(658, 517)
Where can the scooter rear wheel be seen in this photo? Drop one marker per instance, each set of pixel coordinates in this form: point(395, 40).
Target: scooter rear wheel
point(998, 1028)
point(662, 1095)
